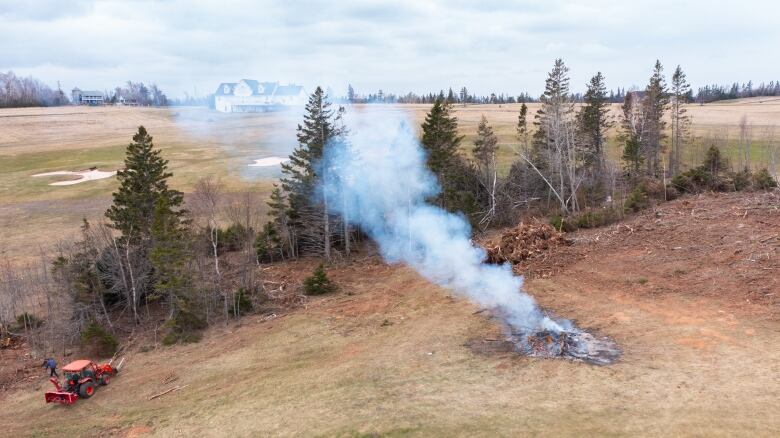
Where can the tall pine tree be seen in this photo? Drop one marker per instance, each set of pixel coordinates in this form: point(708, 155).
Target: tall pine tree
point(593, 122)
point(142, 182)
point(440, 140)
point(484, 152)
point(308, 213)
point(680, 92)
point(655, 104)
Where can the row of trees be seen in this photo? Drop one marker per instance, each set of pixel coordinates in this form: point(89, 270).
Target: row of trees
point(711, 93)
point(463, 96)
point(18, 91)
point(138, 93)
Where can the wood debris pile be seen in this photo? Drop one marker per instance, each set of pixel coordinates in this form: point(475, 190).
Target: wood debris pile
point(523, 242)
point(8, 339)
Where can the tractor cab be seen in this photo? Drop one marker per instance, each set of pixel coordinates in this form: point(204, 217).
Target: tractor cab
point(80, 377)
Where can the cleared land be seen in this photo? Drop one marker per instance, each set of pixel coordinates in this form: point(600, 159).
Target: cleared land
point(689, 291)
point(200, 142)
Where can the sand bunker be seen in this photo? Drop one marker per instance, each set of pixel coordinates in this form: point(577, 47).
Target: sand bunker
point(269, 161)
point(85, 175)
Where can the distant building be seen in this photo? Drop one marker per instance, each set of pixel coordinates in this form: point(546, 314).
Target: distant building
point(249, 96)
point(80, 97)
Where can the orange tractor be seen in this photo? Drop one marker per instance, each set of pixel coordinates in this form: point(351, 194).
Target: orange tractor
point(81, 380)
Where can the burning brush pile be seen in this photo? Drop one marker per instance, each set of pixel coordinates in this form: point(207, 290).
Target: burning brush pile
point(523, 242)
point(572, 344)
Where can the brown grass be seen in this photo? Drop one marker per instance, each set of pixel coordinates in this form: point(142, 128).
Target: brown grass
point(387, 355)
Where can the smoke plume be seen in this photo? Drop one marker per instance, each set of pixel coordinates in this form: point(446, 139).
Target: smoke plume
point(378, 179)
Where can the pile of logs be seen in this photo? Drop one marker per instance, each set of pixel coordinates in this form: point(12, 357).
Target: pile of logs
point(523, 242)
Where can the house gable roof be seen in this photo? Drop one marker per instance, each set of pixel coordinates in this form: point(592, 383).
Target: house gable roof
point(259, 88)
point(221, 89)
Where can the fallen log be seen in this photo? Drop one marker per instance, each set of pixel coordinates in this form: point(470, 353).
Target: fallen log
point(175, 388)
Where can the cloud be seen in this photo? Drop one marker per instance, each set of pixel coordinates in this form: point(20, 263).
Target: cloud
point(398, 45)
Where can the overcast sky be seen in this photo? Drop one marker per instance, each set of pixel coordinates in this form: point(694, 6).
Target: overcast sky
point(401, 45)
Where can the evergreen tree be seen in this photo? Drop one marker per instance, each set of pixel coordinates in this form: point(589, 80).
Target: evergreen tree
point(451, 96)
point(522, 128)
point(554, 152)
point(318, 283)
point(464, 95)
point(593, 122)
point(655, 105)
point(680, 93)
point(308, 217)
point(279, 213)
point(142, 182)
point(631, 135)
point(440, 138)
point(484, 152)
point(172, 281)
point(485, 144)
point(350, 94)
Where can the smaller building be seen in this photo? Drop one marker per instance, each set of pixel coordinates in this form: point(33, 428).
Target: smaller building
point(80, 97)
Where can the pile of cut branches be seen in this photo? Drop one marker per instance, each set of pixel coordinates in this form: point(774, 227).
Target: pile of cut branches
point(524, 241)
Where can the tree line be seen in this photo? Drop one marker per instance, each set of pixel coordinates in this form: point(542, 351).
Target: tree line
point(27, 91)
point(18, 91)
point(712, 93)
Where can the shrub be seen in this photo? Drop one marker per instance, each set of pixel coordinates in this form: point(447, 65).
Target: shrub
point(585, 219)
point(242, 304)
point(597, 218)
point(26, 321)
point(762, 180)
point(637, 200)
point(268, 244)
point(232, 238)
point(184, 326)
point(740, 181)
point(318, 283)
point(99, 340)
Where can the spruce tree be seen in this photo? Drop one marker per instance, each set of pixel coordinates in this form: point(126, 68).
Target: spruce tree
point(440, 138)
point(631, 136)
point(554, 153)
point(593, 122)
point(680, 119)
point(484, 152)
point(307, 213)
point(486, 143)
point(522, 128)
point(655, 105)
point(172, 281)
point(142, 182)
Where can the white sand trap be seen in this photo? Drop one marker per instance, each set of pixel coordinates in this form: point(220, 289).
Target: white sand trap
point(86, 175)
point(269, 161)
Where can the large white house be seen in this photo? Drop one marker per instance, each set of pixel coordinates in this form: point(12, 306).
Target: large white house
point(81, 97)
point(249, 96)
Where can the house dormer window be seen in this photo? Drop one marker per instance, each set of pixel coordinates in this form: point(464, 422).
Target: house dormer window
point(226, 89)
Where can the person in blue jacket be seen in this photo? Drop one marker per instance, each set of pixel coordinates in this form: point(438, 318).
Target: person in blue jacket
point(51, 365)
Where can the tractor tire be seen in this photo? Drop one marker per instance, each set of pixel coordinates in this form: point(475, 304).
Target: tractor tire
point(105, 379)
point(86, 390)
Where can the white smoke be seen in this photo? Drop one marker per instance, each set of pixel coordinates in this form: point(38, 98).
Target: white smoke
point(378, 180)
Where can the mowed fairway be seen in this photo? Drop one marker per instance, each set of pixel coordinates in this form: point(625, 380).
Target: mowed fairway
point(200, 142)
